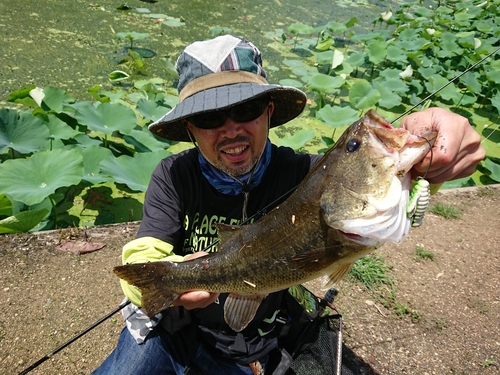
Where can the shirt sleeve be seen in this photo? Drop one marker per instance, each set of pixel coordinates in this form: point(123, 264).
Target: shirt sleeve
point(143, 250)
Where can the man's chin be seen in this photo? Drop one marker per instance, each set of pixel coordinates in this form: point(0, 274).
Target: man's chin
point(235, 170)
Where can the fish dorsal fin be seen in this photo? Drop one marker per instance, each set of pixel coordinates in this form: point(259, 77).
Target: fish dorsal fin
point(225, 231)
point(317, 259)
point(239, 310)
point(337, 274)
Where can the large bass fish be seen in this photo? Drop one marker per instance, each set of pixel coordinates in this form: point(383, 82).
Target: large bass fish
point(351, 202)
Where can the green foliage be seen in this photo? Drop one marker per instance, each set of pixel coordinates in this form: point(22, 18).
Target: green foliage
point(408, 55)
point(489, 362)
point(371, 271)
point(60, 148)
point(62, 144)
point(400, 309)
point(421, 253)
point(445, 210)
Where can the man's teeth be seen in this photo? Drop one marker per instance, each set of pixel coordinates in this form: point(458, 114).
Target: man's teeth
point(235, 151)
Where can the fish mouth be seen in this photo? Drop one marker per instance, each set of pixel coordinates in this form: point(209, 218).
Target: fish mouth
point(388, 220)
point(410, 148)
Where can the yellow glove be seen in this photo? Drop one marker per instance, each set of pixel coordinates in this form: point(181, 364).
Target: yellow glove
point(143, 250)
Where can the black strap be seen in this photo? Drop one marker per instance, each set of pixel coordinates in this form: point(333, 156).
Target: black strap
point(239, 346)
point(279, 362)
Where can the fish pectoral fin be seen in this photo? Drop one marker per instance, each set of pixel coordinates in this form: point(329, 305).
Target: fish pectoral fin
point(338, 273)
point(225, 231)
point(148, 277)
point(239, 310)
point(317, 259)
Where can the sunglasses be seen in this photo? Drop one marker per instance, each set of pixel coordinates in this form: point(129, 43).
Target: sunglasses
point(244, 112)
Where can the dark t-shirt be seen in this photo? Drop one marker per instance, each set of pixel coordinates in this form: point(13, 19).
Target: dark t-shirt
point(181, 207)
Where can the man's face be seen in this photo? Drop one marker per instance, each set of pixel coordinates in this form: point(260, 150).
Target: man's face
point(235, 147)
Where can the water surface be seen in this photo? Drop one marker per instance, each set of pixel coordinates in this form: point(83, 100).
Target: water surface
point(71, 44)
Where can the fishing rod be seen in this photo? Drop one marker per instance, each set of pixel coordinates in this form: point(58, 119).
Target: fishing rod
point(67, 343)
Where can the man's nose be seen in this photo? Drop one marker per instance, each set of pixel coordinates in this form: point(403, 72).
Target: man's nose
point(231, 128)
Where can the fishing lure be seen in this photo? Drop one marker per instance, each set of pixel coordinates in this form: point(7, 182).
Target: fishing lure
point(419, 201)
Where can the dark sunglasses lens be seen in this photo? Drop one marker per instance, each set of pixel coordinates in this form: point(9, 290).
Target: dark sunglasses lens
point(241, 113)
point(208, 120)
point(247, 111)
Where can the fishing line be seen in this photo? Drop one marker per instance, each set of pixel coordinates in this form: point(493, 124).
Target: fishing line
point(431, 152)
point(445, 85)
point(67, 343)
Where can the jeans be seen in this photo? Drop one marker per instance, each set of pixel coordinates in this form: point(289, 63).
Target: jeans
point(162, 354)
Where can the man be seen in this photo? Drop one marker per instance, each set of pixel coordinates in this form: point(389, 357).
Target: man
point(226, 108)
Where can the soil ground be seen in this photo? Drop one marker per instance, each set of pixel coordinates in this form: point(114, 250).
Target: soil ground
point(444, 317)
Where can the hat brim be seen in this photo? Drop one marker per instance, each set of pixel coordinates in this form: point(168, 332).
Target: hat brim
point(289, 103)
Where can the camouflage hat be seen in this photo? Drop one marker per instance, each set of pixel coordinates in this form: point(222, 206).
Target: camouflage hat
point(218, 74)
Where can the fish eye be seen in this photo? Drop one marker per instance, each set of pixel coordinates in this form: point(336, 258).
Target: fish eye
point(353, 145)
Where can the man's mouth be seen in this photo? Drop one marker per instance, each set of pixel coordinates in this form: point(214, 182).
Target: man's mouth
point(235, 151)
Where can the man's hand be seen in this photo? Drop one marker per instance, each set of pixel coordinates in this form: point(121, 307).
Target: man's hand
point(457, 149)
point(196, 299)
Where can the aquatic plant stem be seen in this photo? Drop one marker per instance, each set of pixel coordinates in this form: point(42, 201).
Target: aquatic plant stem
point(53, 203)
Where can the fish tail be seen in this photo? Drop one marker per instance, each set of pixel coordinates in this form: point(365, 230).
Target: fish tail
point(149, 278)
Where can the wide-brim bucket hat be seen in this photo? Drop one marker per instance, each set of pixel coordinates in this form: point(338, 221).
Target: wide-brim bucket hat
point(217, 74)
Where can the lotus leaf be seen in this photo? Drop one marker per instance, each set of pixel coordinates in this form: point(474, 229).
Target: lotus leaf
point(22, 131)
point(363, 95)
point(300, 28)
point(297, 140)
point(174, 23)
point(495, 101)
point(424, 12)
point(32, 180)
point(135, 172)
point(323, 83)
point(324, 57)
point(132, 34)
point(447, 93)
point(493, 168)
point(325, 44)
point(92, 157)
point(470, 80)
point(118, 75)
point(388, 99)
point(356, 59)
point(395, 54)
point(58, 129)
point(144, 141)
point(23, 221)
point(337, 117)
point(150, 110)
point(55, 98)
point(291, 82)
point(336, 27)
point(106, 117)
point(377, 51)
point(5, 206)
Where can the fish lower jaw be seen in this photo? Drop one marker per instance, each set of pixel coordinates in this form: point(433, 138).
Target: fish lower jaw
point(362, 240)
